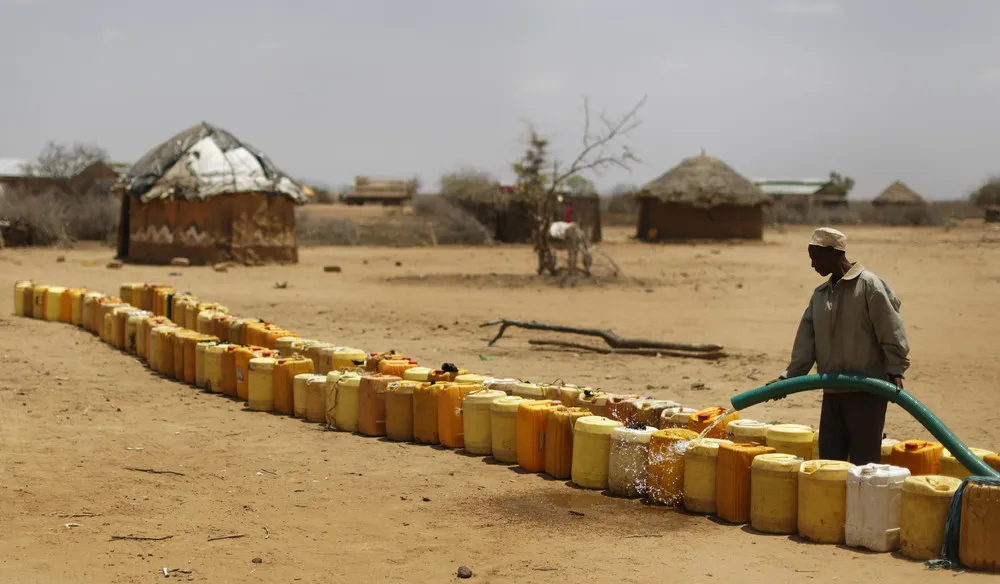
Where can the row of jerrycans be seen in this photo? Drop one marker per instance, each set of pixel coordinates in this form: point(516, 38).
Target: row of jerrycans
point(481, 416)
point(766, 481)
point(514, 421)
point(880, 507)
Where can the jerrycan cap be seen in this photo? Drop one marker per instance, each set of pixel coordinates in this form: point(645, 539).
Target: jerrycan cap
point(912, 445)
point(704, 415)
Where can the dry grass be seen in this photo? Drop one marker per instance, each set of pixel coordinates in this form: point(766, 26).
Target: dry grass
point(434, 221)
point(313, 229)
point(57, 218)
point(452, 224)
point(864, 213)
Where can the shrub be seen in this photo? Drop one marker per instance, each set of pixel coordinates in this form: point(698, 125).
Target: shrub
point(452, 224)
point(313, 230)
point(57, 218)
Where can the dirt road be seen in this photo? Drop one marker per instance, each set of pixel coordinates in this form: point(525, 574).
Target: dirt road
point(319, 506)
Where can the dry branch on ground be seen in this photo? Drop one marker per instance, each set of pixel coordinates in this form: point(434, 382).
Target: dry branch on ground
point(613, 340)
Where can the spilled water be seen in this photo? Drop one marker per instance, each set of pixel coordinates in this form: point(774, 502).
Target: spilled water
point(714, 423)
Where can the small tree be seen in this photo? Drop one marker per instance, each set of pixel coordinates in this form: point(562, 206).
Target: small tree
point(541, 176)
point(578, 185)
point(988, 194)
point(622, 189)
point(621, 200)
point(842, 185)
point(65, 160)
point(413, 185)
point(468, 183)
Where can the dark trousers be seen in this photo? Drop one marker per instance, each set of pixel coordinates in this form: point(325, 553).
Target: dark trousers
point(851, 425)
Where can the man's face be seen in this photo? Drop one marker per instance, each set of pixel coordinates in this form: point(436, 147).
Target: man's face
point(823, 260)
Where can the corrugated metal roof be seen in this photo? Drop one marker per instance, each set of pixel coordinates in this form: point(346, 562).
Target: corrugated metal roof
point(791, 186)
point(204, 161)
point(792, 181)
point(13, 166)
point(790, 189)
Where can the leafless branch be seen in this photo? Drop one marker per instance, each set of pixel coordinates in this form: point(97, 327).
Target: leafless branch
point(640, 352)
point(613, 340)
point(596, 143)
point(75, 515)
point(139, 538)
point(154, 471)
point(234, 536)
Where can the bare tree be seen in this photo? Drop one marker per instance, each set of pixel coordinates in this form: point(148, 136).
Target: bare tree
point(541, 176)
point(63, 210)
point(65, 160)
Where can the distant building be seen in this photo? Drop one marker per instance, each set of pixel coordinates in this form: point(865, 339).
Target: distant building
point(701, 198)
point(804, 192)
point(15, 176)
point(898, 194)
point(385, 192)
point(206, 196)
point(992, 214)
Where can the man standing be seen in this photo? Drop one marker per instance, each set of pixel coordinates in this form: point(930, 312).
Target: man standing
point(851, 325)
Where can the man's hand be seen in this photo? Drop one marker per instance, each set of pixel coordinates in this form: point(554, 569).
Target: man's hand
point(776, 398)
point(898, 380)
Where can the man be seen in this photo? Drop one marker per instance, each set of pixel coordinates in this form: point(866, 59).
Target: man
point(851, 325)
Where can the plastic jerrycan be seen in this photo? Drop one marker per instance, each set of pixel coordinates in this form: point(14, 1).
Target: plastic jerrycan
point(399, 410)
point(628, 460)
point(532, 418)
point(823, 500)
point(451, 427)
point(477, 420)
point(733, 480)
point(559, 431)
point(874, 499)
point(345, 403)
point(665, 473)
point(503, 427)
point(592, 451)
point(774, 493)
point(699, 474)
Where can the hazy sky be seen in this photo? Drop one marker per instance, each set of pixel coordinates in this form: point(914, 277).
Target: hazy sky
point(876, 89)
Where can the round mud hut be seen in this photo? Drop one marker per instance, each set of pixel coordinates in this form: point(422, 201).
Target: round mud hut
point(899, 195)
point(701, 198)
point(206, 196)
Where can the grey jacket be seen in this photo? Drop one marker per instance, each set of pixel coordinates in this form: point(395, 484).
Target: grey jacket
point(851, 327)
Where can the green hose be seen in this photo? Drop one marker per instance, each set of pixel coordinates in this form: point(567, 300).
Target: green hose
point(960, 451)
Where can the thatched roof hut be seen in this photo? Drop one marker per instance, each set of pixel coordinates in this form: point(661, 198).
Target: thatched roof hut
point(992, 214)
point(701, 198)
point(898, 194)
point(205, 195)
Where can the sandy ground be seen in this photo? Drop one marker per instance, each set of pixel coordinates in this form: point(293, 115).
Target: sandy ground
point(321, 506)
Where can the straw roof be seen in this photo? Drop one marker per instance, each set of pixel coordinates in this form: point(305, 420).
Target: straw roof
point(899, 194)
point(202, 162)
point(704, 181)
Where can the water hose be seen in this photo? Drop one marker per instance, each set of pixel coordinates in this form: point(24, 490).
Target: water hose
point(881, 388)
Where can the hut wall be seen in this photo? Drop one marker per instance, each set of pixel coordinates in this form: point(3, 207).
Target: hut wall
point(586, 213)
point(510, 221)
point(659, 221)
point(246, 228)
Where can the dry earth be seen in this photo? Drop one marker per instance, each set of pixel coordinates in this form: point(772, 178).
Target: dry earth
point(320, 506)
